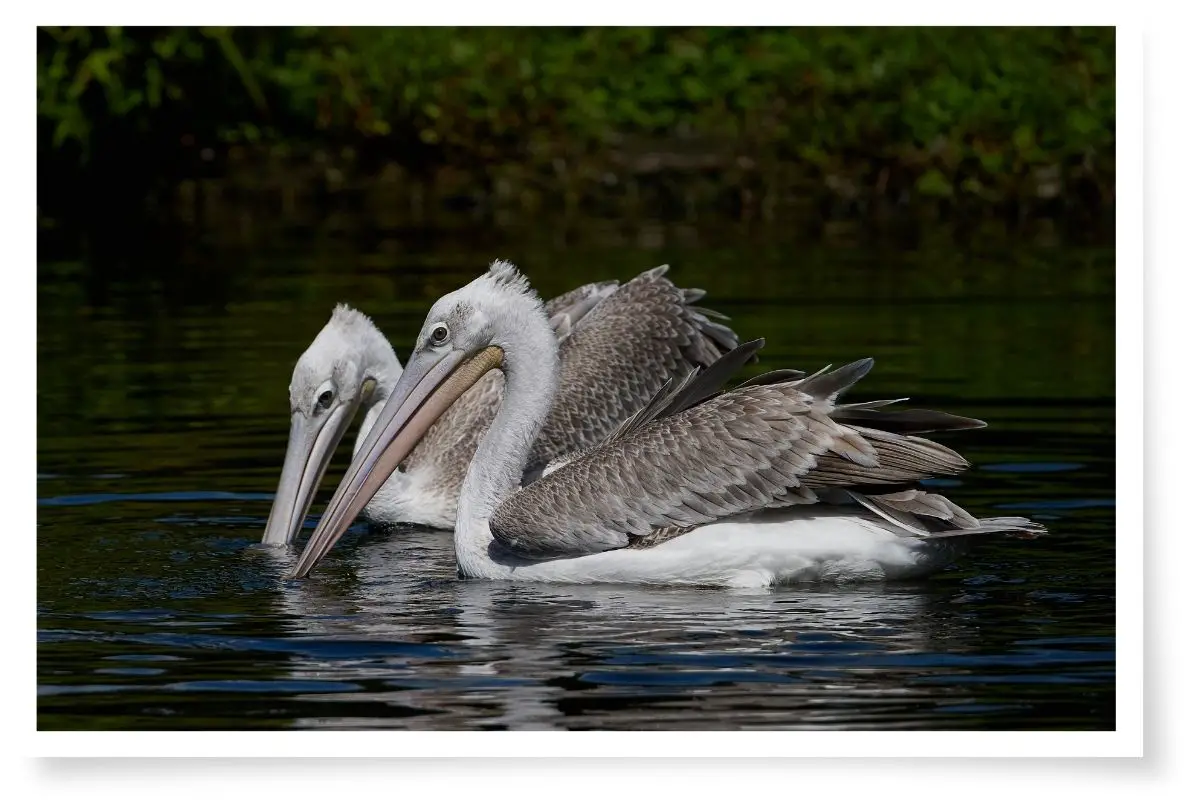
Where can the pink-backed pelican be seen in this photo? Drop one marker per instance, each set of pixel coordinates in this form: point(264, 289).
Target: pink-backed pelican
point(772, 482)
point(617, 344)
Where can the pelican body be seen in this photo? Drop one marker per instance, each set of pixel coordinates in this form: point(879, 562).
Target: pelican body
point(773, 482)
point(616, 343)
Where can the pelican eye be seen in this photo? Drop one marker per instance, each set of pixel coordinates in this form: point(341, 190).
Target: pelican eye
point(326, 399)
point(439, 333)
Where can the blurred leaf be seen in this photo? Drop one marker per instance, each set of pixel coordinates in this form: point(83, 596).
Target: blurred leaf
point(943, 106)
point(1024, 138)
point(224, 39)
point(933, 183)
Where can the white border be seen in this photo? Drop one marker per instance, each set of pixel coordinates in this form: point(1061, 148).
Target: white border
point(586, 744)
point(19, 51)
point(1129, 276)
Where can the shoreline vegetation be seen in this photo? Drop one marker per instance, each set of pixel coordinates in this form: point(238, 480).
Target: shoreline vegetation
point(759, 123)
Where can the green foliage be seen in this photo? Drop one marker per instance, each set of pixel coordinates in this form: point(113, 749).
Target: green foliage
point(976, 110)
point(89, 78)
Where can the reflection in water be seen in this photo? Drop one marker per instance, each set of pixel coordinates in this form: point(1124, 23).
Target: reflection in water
point(162, 423)
point(530, 656)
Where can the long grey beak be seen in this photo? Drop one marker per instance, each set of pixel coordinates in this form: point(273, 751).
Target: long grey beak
point(421, 396)
point(311, 444)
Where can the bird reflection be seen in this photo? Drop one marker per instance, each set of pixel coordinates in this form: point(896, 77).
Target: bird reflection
point(536, 656)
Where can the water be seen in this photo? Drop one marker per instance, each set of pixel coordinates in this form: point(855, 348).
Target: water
point(163, 364)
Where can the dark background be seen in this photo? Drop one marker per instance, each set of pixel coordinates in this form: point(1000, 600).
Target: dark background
point(764, 123)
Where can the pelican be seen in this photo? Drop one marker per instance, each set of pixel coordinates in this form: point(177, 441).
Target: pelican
point(773, 482)
point(617, 344)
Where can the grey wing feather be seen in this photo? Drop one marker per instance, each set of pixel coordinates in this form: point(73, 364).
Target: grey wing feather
point(581, 297)
point(566, 310)
point(681, 393)
point(762, 445)
point(932, 516)
point(616, 358)
point(910, 420)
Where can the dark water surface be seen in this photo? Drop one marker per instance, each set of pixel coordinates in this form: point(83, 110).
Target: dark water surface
point(162, 420)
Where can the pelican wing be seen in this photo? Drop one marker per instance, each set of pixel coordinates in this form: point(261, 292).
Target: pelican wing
point(566, 310)
point(616, 357)
point(693, 458)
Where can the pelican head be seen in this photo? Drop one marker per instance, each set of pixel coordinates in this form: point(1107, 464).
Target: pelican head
point(480, 327)
point(349, 363)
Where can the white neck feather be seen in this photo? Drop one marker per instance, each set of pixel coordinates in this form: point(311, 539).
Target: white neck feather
point(530, 383)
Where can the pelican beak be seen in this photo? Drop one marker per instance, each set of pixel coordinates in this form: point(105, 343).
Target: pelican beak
point(422, 395)
point(310, 447)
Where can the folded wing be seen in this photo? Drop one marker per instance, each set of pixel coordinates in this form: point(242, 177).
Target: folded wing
point(617, 355)
point(692, 458)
